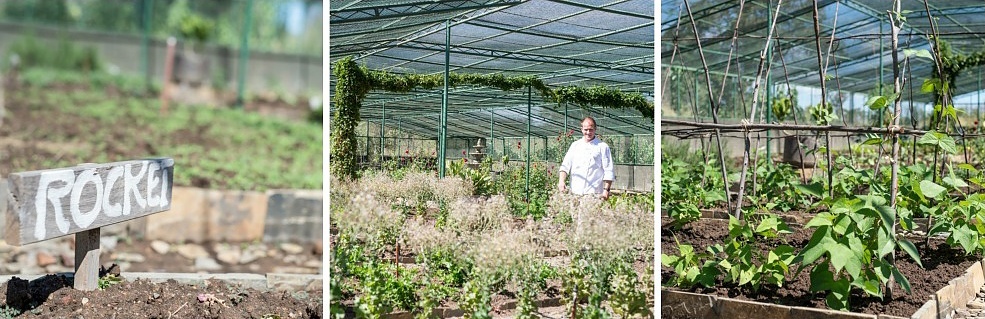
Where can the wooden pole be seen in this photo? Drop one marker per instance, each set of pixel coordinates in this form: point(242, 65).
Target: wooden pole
point(87, 260)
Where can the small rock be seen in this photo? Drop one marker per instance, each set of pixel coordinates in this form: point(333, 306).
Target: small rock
point(292, 259)
point(160, 247)
point(291, 248)
point(976, 304)
point(317, 249)
point(85, 301)
point(68, 260)
point(108, 242)
point(248, 256)
point(192, 251)
point(313, 264)
point(156, 295)
point(228, 255)
point(44, 259)
point(254, 267)
point(128, 257)
point(56, 268)
point(207, 264)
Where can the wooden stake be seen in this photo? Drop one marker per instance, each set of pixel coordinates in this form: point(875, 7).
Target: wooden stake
point(87, 260)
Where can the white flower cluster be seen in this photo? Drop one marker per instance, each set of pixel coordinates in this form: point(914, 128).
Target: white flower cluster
point(478, 215)
point(366, 218)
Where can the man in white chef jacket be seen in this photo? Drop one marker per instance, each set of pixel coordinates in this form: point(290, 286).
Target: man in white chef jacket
point(589, 163)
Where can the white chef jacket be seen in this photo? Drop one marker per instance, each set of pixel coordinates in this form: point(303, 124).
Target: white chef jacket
point(588, 164)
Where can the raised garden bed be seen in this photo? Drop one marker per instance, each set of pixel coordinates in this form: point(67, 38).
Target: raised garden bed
point(941, 264)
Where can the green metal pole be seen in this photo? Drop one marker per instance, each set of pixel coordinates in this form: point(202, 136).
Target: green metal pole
point(145, 42)
point(490, 143)
point(444, 103)
point(382, 135)
point(880, 69)
point(367, 141)
point(529, 102)
point(565, 131)
point(244, 55)
point(978, 110)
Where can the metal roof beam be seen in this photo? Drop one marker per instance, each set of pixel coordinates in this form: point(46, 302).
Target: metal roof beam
point(368, 13)
point(529, 57)
point(603, 9)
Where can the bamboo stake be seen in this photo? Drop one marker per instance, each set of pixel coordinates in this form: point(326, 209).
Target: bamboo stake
point(714, 109)
point(820, 72)
point(752, 115)
point(897, 112)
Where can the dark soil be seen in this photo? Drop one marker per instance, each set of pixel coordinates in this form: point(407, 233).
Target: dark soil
point(941, 264)
point(53, 297)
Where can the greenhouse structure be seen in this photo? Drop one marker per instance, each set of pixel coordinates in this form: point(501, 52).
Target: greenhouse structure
point(558, 43)
point(842, 158)
point(448, 124)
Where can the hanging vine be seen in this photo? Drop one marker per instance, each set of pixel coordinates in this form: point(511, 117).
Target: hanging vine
point(353, 82)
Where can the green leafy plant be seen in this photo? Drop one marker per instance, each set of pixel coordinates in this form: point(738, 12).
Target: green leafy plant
point(108, 280)
point(743, 264)
point(822, 115)
point(854, 239)
point(688, 268)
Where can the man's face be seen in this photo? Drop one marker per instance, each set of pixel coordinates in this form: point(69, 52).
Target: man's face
point(588, 130)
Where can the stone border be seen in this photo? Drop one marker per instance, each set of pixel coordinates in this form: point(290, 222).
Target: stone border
point(270, 281)
point(954, 296)
point(692, 305)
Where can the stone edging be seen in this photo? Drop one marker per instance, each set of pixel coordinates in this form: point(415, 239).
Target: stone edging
point(692, 305)
point(270, 281)
point(955, 295)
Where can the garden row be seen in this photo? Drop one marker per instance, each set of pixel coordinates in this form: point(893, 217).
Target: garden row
point(848, 252)
point(407, 241)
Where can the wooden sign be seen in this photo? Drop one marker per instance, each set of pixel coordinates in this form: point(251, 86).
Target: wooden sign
point(56, 202)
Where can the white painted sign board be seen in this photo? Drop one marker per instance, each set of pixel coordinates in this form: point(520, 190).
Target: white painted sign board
point(56, 202)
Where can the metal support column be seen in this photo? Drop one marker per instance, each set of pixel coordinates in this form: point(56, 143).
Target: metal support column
point(490, 142)
point(444, 104)
point(529, 102)
point(881, 53)
point(382, 135)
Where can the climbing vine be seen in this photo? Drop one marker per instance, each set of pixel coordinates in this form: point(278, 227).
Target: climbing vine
point(353, 82)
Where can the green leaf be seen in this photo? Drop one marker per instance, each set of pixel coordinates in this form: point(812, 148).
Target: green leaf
point(969, 167)
point(965, 236)
point(815, 247)
point(888, 216)
point(840, 255)
point(929, 85)
point(877, 102)
point(838, 297)
point(911, 250)
point(813, 189)
point(821, 278)
point(931, 189)
point(873, 141)
point(944, 141)
point(920, 53)
point(885, 242)
point(871, 287)
point(901, 280)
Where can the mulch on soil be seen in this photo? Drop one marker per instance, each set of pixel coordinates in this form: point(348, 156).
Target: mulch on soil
point(941, 264)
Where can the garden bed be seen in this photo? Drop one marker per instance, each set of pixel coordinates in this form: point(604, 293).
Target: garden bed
point(941, 263)
point(52, 296)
